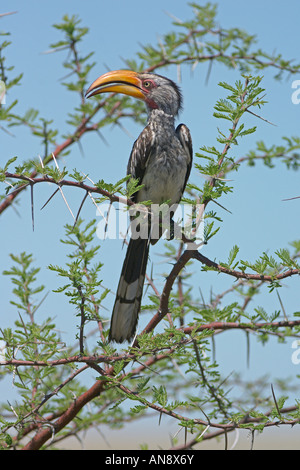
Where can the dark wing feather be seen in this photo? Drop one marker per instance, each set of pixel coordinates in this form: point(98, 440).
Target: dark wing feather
point(140, 153)
point(184, 135)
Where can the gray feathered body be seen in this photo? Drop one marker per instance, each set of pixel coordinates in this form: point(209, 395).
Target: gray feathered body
point(161, 160)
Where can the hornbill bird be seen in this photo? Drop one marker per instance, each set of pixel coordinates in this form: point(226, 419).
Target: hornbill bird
point(161, 160)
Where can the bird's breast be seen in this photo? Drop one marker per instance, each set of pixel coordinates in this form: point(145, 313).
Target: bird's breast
point(164, 177)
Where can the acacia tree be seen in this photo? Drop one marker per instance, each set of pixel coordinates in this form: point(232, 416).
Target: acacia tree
point(148, 375)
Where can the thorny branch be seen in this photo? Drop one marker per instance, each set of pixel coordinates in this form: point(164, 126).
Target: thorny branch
point(47, 179)
point(59, 149)
point(99, 387)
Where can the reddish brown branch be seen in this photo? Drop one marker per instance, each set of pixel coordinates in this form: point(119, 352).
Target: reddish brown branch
point(44, 434)
point(61, 183)
point(106, 359)
point(194, 254)
point(60, 148)
point(241, 274)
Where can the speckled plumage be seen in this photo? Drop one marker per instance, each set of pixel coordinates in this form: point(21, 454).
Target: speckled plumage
point(161, 159)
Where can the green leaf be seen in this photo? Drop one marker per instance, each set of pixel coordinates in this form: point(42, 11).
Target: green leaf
point(160, 395)
point(232, 254)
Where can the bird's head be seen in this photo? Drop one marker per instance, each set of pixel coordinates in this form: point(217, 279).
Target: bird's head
point(156, 91)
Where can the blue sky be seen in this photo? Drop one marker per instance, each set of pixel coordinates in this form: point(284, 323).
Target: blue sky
point(260, 220)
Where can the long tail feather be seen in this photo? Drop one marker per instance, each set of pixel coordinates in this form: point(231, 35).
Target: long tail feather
point(130, 290)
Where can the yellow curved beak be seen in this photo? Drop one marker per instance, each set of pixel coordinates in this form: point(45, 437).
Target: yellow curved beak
point(118, 81)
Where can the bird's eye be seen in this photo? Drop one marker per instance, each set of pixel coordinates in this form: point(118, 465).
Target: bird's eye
point(147, 84)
